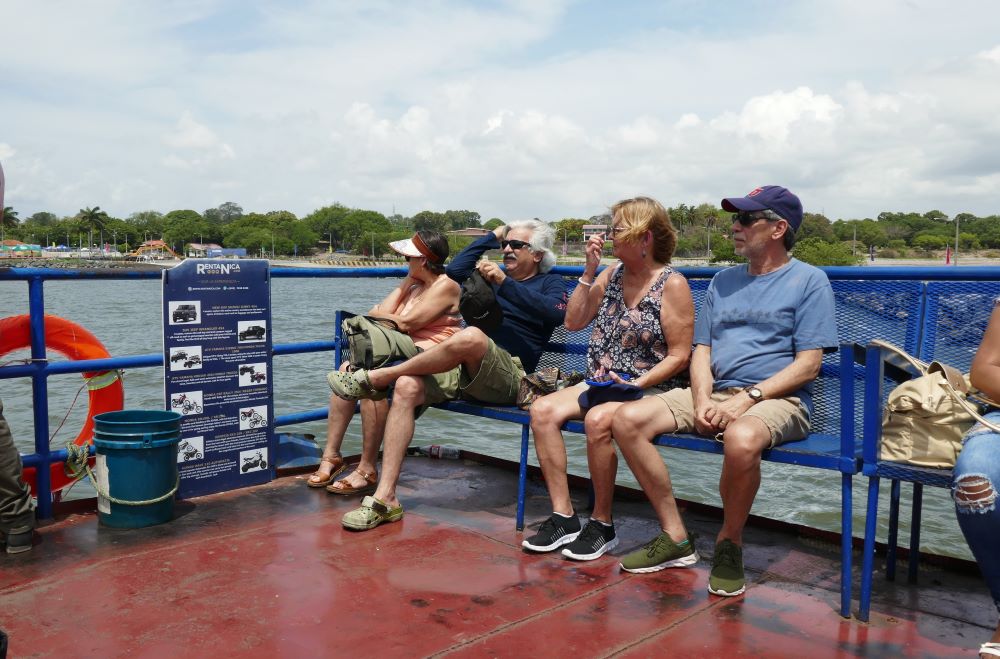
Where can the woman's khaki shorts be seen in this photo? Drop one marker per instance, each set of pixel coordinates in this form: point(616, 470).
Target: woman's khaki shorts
point(786, 418)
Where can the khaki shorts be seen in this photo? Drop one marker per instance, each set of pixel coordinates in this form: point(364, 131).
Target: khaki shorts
point(786, 418)
point(496, 382)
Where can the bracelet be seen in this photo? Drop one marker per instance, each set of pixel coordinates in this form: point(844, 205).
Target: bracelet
point(588, 284)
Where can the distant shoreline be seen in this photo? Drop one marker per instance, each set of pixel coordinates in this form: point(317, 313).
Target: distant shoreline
point(362, 262)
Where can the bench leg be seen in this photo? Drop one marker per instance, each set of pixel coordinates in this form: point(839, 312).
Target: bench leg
point(893, 540)
point(522, 478)
point(868, 559)
point(846, 536)
point(918, 500)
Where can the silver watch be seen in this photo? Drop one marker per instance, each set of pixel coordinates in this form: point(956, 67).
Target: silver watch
point(756, 395)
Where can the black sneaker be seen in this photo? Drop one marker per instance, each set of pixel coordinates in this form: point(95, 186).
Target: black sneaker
point(595, 539)
point(554, 532)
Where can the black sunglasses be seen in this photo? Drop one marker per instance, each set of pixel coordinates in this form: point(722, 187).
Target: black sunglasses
point(514, 244)
point(747, 218)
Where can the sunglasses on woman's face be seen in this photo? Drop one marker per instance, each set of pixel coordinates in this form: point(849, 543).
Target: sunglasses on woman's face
point(514, 244)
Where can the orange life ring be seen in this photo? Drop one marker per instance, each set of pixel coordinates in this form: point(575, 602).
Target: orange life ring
point(105, 387)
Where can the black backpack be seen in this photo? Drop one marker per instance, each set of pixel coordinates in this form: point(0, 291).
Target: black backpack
point(478, 304)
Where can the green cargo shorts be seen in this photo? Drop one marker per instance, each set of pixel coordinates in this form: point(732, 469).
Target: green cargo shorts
point(496, 383)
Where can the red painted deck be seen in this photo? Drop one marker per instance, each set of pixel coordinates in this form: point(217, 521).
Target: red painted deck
point(269, 571)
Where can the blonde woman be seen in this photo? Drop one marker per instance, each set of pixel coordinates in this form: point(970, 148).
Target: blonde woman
point(643, 318)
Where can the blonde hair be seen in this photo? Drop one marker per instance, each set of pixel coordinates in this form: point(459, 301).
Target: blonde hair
point(641, 214)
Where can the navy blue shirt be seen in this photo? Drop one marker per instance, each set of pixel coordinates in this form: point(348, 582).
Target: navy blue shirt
point(532, 308)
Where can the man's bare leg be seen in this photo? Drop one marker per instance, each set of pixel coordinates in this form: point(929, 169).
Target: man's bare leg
point(744, 441)
point(408, 396)
point(633, 428)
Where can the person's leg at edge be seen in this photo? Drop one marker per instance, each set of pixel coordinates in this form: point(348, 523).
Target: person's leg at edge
point(974, 490)
point(374, 416)
point(17, 513)
point(406, 399)
point(633, 428)
point(745, 440)
point(548, 414)
point(602, 459)
point(466, 348)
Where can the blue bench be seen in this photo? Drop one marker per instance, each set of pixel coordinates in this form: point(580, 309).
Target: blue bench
point(954, 319)
point(866, 309)
point(883, 303)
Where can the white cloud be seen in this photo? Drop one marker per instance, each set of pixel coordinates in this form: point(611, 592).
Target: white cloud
point(192, 136)
point(992, 55)
point(514, 109)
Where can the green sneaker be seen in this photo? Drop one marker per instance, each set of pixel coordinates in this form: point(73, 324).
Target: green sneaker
point(727, 570)
point(659, 553)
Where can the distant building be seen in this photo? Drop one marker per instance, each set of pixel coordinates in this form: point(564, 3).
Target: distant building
point(222, 252)
point(593, 229)
point(200, 250)
point(470, 231)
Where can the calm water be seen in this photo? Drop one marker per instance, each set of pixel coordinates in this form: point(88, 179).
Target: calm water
point(125, 316)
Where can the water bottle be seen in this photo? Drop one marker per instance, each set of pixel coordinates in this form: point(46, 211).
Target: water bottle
point(443, 451)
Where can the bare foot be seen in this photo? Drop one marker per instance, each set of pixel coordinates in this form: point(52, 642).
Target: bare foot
point(355, 479)
point(329, 467)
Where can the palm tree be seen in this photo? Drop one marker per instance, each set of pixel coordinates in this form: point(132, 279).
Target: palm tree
point(9, 217)
point(93, 217)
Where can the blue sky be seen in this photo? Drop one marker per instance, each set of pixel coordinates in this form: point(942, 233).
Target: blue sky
point(514, 109)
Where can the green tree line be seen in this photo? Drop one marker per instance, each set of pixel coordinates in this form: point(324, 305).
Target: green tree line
point(703, 231)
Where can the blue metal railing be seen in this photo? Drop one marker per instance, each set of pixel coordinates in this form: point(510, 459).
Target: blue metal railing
point(39, 370)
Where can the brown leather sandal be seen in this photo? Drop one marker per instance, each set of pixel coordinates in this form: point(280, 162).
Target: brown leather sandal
point(344, 488)
point(319, 479)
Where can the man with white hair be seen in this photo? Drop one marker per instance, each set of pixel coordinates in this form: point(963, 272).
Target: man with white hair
point(17, 514)
point(472, 364)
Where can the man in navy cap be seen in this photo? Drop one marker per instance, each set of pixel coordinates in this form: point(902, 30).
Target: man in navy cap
point(759, 342)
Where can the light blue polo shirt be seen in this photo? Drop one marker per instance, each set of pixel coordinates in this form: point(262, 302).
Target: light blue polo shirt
point(755, 324)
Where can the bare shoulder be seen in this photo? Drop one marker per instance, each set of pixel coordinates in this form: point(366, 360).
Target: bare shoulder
point(446, 284)
point(676, 283)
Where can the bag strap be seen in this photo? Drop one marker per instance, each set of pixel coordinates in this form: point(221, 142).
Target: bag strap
point(918, 364)
point(387, 323)
point(954, 381)
point(891, 371)
point(951, 374)
point(969, 407)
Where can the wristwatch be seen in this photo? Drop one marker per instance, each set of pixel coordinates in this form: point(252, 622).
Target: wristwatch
point(756, 395)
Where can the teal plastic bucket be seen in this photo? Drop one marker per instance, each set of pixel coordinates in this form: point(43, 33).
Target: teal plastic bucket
point(136, 466)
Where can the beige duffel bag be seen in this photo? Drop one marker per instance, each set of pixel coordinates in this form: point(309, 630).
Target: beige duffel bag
point(925, 418)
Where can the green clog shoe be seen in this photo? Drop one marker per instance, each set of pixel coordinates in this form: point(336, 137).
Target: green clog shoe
point(371, 513)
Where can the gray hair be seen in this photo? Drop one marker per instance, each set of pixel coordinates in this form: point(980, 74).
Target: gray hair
point(542, 239)
point(789, 238)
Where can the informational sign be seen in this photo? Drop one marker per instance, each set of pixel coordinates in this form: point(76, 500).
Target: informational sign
point(217, 372)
